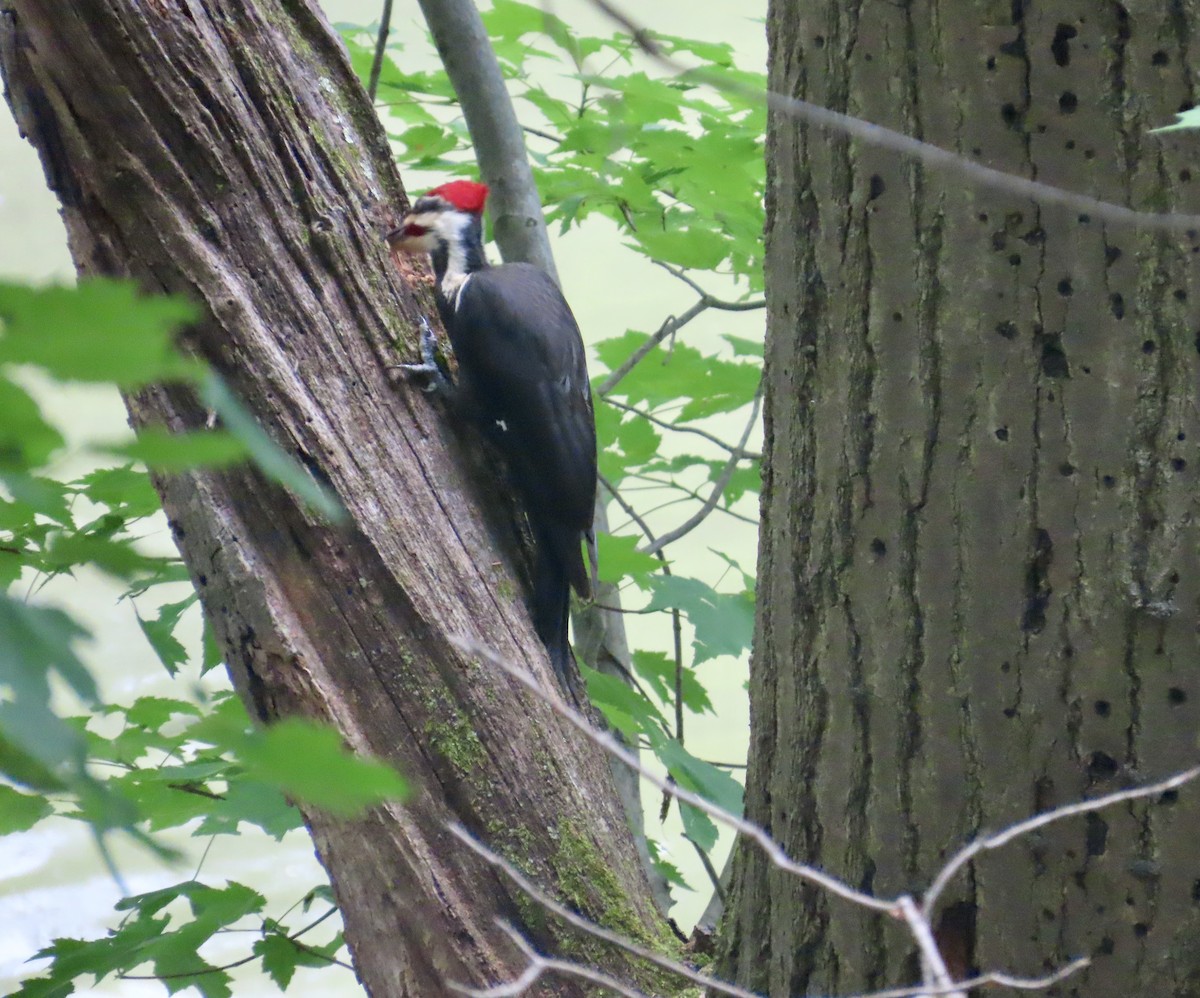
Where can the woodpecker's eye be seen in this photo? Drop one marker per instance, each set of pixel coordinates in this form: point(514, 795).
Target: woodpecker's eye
point(412, 230)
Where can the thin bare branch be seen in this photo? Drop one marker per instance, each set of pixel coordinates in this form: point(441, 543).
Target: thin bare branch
point(995, 977)
point(710, 870)
point(539, 965)
point(676, 617)
point(470, 646)
point(658, 483)
point(671, 326)
point(930, 156)
point(933, 967)
point(1002, 838)
point(718, 488)
point(626, 508)
point(718, 303)
point(745, 455)
point(385, 25)
point(567, 915)
point(902, 907)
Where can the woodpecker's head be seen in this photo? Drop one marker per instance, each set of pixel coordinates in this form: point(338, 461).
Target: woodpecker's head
point(440, 219)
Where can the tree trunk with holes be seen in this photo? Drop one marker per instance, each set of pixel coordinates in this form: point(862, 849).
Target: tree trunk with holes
point(979, 591)
point(224, 151)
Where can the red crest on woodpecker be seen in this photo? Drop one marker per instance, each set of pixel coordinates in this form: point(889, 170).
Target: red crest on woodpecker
point(465, 195)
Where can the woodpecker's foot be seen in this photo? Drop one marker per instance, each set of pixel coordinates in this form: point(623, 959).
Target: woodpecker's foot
point(429, 365)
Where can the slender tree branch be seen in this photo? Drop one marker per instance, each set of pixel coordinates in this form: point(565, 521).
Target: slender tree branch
point(627, 509)
point(548, 136)
point(930, 156)
point(570, 917)
point(1002, 838)
point(516, 212)
point(385, 25)
point(671, 326)
point(713, 876)
point(717, 303)
point(773, 851)
point(902, 907)
point(539, 965)
point(745, 455)
point(659, 483)
point(933, 966)
point(718, 488)
point(676, 618)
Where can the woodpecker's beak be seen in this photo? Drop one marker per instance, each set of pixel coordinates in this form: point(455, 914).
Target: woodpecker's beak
point(415, 234)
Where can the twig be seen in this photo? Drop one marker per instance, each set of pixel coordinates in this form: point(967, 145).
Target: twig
point(660, 483)
point(713, 876)
point(745, 455)
point(718, 303)
point(904, 907)
point(933, 967)
point(931, 156)
point(539, 965)
point(567, 915)
point(718, 488)
point(671, 326)
point(969, 852)
point(626, 508)
point(676, 617)
point(385, 25)
point(470, 646)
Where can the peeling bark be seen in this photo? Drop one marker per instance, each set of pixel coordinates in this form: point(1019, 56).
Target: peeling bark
point(979, 589)
point(224, 151)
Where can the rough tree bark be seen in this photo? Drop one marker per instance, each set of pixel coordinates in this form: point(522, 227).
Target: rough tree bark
point(224, 151)
point(979, 593)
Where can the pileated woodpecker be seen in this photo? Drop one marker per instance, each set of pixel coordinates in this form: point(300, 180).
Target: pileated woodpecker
point(522, 370)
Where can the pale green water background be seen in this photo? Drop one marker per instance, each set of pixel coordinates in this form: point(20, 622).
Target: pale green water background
point(51, 881)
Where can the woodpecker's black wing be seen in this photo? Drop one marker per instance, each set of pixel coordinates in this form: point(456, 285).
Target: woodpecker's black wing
point(521, 360)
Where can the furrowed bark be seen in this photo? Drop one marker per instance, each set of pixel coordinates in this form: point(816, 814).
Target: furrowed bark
point(224, 151)
point(978, 578)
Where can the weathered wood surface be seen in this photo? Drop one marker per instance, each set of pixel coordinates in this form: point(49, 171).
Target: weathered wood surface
point(224, 151)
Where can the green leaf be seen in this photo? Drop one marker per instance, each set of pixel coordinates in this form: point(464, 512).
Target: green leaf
point(212, 656)
point(704, 779)
point(20, 812)
point(626, 709)
point(698, 826)
point(724, 622)
point(279, 958)
point(124, 490)
point(620, 559)
point(269, 456)
point(160, 632)
point(250, 802)
point(668, 870)
point(154, 712)
point(658, 670)
point(117, 556)
point(166, 451)
point(37, 641)
point(43, 496)
point(26, 440)
point(101, 331)
point(743, 347)
point(309, 763)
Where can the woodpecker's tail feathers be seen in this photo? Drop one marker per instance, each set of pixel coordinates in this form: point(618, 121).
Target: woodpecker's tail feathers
point(589, 538)
point(552, 601)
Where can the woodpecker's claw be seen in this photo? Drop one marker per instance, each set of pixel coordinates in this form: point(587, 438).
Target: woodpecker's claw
point(429, 364)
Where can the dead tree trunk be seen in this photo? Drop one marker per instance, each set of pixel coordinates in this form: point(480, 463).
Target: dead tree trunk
point(224, 151)
point(979, 590)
